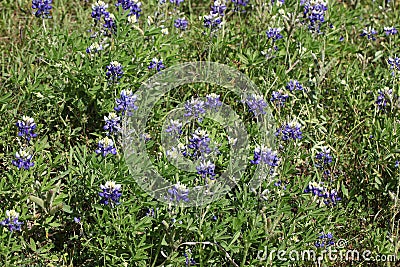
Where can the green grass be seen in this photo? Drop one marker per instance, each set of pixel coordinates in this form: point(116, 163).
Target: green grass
point(47, 75)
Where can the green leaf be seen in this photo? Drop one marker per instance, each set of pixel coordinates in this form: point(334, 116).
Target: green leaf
point(378, 180)
point(5, 99)
point(48, 202)
point(163, 242)
point(54, 209)
point(54, 258)
point(67, 208)
point(55, 224)
point(345, 191)
point(243, 59)
point(49, 219)
point(38, 201)
point(98, 207)
point(32, 244)
point(152, 31)
point(235, 237)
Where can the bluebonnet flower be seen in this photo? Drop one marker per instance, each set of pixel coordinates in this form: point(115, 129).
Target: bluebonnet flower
point(112, 123)
point(212, 101)
point(291, 130)
point(195, 108)
point(274, 34)
point(212, 21)
point(157, 64)
point(218, 8)
point(125, 4)
point(98, 10)
point(110, 193)
point(114, 71)
point(77, 220)
point(126, 102)
point(110, 27)
point(294, 85)
point(325, 240)
point(370, 32)
point(314, 11)
point(240, 4)
point(11, 221)
point(189, 261)
point(94, 48)
point(151, 213)
point(43, 8)
point(176, 2)
point(132, 5)
point(390, 30)
point(383, 98)
point(146, 137)
point(135, 8)
point(256, 104)
point(23, 160)
point(270, 53)
point(329, 235)
point(206, 168)
point(397, 164)
point(263, 154)
point(315, 188)
point(199, 144)
point(280, 187)
point(280, 184)
point(341, 39)
point(106, 146)
point(178, 193)
point(181, 24)
point(330, 197)
point(26, 128)
point(279, 97)
point(174, 128)
point(394, 64)
point(323, 158)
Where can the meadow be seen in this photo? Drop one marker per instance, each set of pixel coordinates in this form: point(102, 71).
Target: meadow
point(80, 167)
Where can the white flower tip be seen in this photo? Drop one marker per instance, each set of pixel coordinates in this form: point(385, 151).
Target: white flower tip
point(12, 214)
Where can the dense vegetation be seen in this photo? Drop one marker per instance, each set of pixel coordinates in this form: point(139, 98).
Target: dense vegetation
point(327, 73)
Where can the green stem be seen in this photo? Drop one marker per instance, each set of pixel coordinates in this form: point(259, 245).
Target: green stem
point(246, 250)
point(8, 245)
point(44, 25)
point(158, 252)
